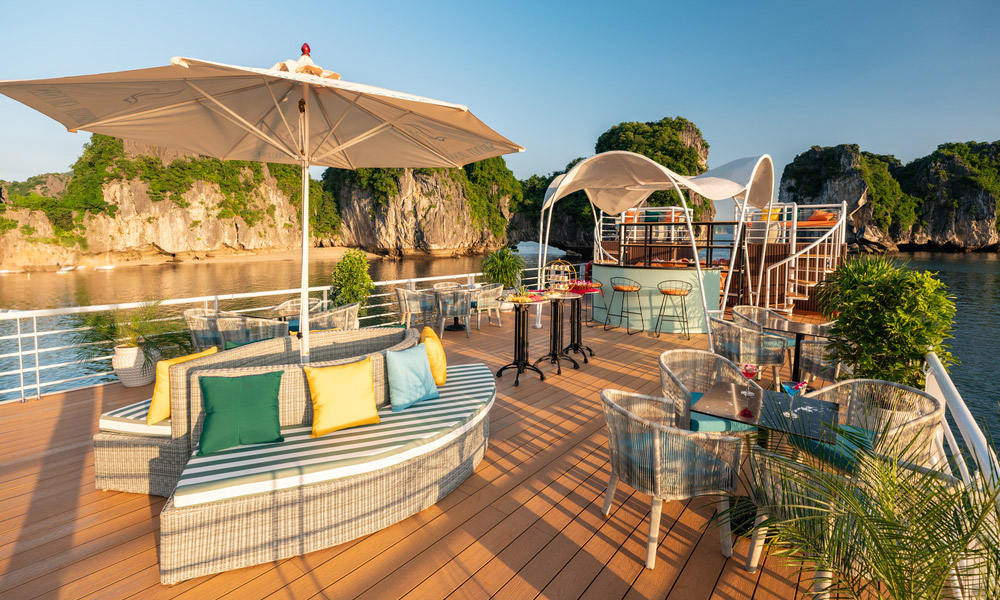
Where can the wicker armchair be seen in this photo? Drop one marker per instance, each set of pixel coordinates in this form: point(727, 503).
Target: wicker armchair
point(342, 317)
point(649, 453)
point(447, 285)
point(293, 308)
point(744, 345)
point(414, 304)
point(488, 299)
point(896, 417)
point(687, 372)
point(203, 325)
point(813, 360)
point(453, 304)
point(240, 329)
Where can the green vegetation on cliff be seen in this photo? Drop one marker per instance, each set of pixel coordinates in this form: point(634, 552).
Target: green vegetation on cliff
point(104, 161)
point(889, 203)
point(485, 184)
point(664, 142)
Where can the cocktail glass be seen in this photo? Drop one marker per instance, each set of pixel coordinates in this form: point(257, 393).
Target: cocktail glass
point(749, 372)
point(793, 389)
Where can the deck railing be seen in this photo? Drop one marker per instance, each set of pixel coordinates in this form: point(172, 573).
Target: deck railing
point(38, 353)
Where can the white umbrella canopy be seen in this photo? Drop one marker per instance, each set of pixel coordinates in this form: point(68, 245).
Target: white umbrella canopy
point(294, 112)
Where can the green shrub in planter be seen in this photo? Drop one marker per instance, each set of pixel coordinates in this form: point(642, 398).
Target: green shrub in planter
point(886, 318)
point(503, 266)
point(351, 281)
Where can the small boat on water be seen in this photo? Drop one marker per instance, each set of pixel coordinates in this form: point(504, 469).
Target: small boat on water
point(66, 269)
point(10, 271)
point(104, 268)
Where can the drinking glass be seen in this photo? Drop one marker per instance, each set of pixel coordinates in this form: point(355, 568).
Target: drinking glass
point(793, 389)
point(749, 372)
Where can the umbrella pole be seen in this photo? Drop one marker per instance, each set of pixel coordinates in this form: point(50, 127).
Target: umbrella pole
point(304, 293)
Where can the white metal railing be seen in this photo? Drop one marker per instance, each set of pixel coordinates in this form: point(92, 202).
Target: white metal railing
point(806, 267)
point(38, 353)
point(668, 226)
point(940, 385)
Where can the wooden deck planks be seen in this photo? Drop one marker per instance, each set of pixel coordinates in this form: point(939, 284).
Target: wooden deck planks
point(526, 524)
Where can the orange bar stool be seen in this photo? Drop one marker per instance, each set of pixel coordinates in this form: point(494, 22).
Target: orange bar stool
point(625, 287)
point(676, 292)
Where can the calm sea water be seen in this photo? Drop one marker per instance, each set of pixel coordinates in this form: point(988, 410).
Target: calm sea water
point(974, 280)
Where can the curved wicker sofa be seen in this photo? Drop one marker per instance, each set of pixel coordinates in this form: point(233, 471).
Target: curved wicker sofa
point(152, 463)
point(286, 499)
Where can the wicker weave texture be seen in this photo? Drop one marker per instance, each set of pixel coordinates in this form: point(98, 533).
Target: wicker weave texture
point(138, 464)
point(686, 372)
point(650, 453)
point(905, 419)
point(746, 345)
point(230, 534)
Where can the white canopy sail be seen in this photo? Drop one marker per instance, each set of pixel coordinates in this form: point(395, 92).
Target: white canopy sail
point(617, 181)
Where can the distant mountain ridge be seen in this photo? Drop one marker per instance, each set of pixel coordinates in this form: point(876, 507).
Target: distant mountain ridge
point(947, 200)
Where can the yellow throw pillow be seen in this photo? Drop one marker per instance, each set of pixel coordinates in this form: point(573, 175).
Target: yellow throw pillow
point(435, 355)
point(159, 408)
point(342, 396)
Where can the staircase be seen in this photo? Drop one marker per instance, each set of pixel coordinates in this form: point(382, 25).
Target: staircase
point(820, 249)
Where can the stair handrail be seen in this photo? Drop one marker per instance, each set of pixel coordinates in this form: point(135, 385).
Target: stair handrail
point(839, 228)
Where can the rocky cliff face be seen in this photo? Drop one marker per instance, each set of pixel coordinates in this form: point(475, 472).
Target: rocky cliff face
point(942, 201)
point(430, 214)
point(142, 227)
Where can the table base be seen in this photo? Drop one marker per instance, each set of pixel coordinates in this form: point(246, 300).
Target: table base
point(520, 363)
point(556, 353)
point(576, 332)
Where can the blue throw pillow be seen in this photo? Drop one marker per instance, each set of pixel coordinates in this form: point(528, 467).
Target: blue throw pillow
point(410, 377)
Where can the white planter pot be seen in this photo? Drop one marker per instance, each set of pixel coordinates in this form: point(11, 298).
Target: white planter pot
point(506, 306)
point(130, 367)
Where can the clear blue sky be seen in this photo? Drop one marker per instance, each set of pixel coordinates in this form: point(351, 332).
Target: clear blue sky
point(895, 77)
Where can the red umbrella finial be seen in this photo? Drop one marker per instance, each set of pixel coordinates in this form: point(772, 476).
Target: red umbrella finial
point(305, 49)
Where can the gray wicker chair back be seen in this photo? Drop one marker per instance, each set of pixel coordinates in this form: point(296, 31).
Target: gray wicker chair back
point(744, 345)
point(900, 416)
point(684, 372)
point(456, 303)
point(342, 317)
point(414, 304)
point(447, 285)
point(293, 308)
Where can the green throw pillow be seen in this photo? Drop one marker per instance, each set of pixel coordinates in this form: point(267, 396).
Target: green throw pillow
point(239, 410)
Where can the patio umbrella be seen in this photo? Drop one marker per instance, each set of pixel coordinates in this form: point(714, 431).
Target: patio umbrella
point(295, 112)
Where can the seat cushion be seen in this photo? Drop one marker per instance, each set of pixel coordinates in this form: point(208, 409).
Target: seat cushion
point(343, 396)
point(435, 355)
point(674, 292)
point(409, 377)
point(300, 460)
point(702, 422)
point(625, 288)
point(159, 409)
point(239, 410)
point(843, 454)
point(132, 419)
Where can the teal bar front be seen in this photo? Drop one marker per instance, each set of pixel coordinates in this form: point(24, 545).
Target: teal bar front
point(650, 296)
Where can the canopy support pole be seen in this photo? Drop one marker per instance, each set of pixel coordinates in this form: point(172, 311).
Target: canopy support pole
point(304, 160)
point(732, 257)
point(697, 265)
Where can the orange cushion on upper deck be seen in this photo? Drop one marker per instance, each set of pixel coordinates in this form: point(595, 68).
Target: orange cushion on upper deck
point(674, 292)
point(625, 288)
point(821, 215)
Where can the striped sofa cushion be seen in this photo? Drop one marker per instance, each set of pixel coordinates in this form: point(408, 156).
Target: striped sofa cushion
point(132, 419)
point(300, 460)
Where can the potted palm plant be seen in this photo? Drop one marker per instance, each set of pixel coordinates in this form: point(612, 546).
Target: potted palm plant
point(503, 266)
point(138, 338)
